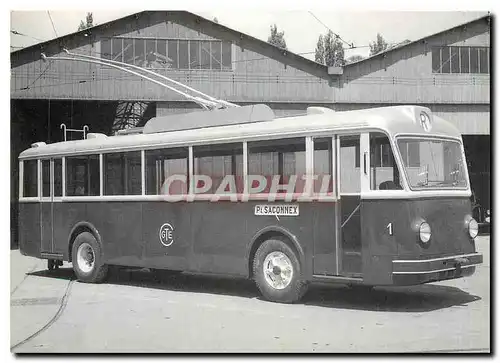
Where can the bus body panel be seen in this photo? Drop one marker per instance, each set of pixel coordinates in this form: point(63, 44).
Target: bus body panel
point(29, 228)
point(207, 237)
point(66, 216)
point(119, 225)
point(449, 236)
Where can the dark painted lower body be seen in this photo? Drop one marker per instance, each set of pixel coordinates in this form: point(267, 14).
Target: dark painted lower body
point(219, 237)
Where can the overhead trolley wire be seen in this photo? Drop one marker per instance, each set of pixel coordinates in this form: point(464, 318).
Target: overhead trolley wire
point(53, 27)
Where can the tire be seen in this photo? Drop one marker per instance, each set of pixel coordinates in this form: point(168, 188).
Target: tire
point(88, 268)
point(51, 265)
point(276, 257)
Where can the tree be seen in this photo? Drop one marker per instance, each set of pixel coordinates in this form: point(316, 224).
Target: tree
point(277, 38)
point(329, 50)
point(354, 58)
point(319, 57)
point(89, 22)
point(379, 45)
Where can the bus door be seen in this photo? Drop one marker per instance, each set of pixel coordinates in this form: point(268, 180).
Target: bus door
point(352, 172)
point(46, 208)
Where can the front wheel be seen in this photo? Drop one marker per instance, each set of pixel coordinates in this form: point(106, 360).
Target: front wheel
point(278, 273)
point(87, 259)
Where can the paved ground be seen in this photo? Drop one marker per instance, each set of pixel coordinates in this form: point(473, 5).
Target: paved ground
point(134, 313)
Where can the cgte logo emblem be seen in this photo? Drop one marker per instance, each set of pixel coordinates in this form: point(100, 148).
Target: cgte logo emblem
point(166, 234)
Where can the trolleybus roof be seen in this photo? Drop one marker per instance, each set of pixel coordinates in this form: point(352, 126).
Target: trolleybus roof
point(394, 120)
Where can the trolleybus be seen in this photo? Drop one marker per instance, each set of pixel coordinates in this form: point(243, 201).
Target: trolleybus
point(375, 197)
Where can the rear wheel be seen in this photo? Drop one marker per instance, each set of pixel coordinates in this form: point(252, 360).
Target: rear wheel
point(278, 273)
point(87, 259)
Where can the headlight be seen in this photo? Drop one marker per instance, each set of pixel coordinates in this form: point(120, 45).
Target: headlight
point(473, 228)
point(425, 232)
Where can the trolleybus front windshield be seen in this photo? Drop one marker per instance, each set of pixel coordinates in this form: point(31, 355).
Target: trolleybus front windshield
point(433, 163)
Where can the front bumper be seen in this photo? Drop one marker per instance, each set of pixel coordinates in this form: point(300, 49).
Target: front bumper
point(418, 271)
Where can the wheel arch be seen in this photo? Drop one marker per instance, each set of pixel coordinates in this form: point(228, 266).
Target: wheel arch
point(78, 228)
point(268, 233)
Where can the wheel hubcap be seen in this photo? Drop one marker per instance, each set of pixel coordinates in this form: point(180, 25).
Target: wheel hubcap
point(85, 257)
point(278, 270)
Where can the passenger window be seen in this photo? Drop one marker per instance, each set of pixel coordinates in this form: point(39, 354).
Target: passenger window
point(323, 158)
point(122, 173)
point(349, 164)
point(284, 158)
point(45, 178)
point(82, 175)
point(220, 164)
point(167, 171)
point(57, 177)
point(30, 182)
point(384, 173)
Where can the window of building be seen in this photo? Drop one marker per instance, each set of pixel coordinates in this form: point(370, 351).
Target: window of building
point(183, 54)
point(82, 175)
point(106, 48)
point(464, 59)
point(205, 55)
point(455, 60)
point(30, 176)
point(222, 165)
point(139, 53)
point(117, 49)
point(226, 55)
point(128, 51)
point(284, 159)
point(460, 60)
point(167, 171)
point(122, 173)
point(483, 60)
point(216, 55)
point(445, 60)
point(436, 60)
point(171, 53)
point(323, 159)
point(161, 53)
point(194, 54)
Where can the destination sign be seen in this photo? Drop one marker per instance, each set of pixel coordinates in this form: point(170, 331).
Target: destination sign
point(276, 210)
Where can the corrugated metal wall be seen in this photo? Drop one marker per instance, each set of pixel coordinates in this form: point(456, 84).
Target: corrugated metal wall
point(253, 77)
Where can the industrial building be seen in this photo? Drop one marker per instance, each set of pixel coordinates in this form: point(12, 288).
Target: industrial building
point(448, 72)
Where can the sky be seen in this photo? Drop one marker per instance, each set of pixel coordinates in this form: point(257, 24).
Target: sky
point(354, 26)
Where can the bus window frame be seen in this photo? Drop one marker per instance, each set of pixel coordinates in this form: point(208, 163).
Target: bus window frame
point(435, 137)
point(398, 162)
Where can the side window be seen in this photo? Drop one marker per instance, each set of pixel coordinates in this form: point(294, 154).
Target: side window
point(284, 158)
point(349, 164)
point(219, 165)
point(384, 173)
point(30, 182)
point(323, 165)
point(46, 178)
point(82, 175)
point(57, 177)
point(122, 173)
point(167, 171)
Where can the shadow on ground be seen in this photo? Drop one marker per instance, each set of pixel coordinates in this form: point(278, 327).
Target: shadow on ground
point(419, 298)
